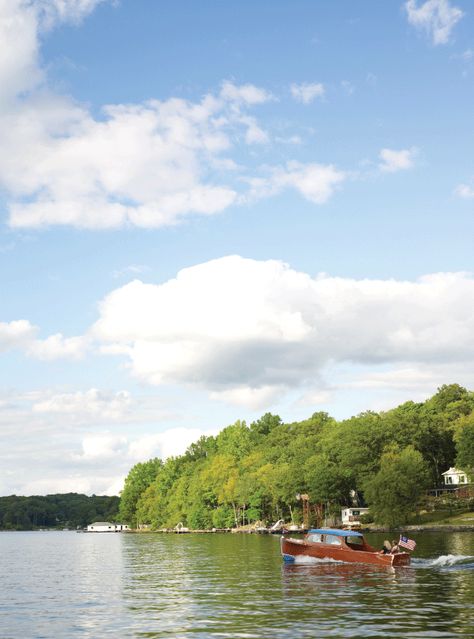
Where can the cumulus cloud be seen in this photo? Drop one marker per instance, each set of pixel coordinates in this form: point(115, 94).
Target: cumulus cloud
point(98, 436)
point(92, 403)
point(16, 334)
point(393, 161)
point(146, 164)
point(244, 93)
point(315, 182)
point(466, 191)
point(244, 330)
point(437, 18)
point(103, 446)
point(150, 165)
point(307, 92)
point(169, 443)
point(22, 335)
point(53, 11)
point(57, 347)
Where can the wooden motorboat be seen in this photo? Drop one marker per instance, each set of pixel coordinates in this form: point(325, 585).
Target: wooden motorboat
point(339, 545)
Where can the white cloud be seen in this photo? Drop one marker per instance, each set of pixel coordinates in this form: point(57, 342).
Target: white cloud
point(393, 161)
point(86, 405)
point(83, 441)
point(132, 269)
point(244, 93)
point(254, 398)
point(315, 182)
point(142, 165)
point(466, 55)
point(103, 446)
point(404, 378)
point(147, 165)
point(57, 347)
point(53, 11)
point(348, 87)
point(21, 335)
point(436, 18)
point(169, 443)
point(16, 334)
point(307, 92)
point(465, 191)
point(315, 398)
point(244, 330)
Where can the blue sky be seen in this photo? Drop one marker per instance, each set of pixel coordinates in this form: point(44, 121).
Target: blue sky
point(213, 210)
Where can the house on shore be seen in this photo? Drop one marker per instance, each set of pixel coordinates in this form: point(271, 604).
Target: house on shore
point(106, 526)
point(456, 482)
point(453, 476)
point(351, 516)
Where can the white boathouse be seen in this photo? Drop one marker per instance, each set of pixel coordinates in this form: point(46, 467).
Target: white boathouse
point(106, 526)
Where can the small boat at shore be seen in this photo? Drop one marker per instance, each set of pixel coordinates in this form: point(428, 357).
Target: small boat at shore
point(339, 545)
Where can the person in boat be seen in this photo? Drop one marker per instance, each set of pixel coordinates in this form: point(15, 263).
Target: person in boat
point(395, 547)
point(387, 547)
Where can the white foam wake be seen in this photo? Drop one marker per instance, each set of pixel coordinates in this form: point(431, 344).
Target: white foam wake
point(448, 560)
point(304, 559)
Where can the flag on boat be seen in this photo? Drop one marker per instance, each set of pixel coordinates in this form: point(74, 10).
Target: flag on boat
point(409, 544)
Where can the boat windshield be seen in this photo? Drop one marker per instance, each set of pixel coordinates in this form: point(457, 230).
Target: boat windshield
point(315, 538)
point(355, 541)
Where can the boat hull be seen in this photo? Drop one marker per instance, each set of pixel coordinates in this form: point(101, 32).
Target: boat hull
point(293, 548)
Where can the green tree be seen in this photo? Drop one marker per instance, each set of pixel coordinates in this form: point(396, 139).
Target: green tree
point(394, 492)
point(328, 481)
point(136, 482)
point(465, 444)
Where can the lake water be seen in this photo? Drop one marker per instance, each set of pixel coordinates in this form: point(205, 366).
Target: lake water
point(63, 584)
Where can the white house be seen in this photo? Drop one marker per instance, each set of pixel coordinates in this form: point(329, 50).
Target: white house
point(454, 476)
point(351, 516)
point(106, 526)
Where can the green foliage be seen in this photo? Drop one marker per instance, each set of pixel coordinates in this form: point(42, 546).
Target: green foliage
point(465, 444)
point(250, 473)
point(394, 493)
point(328, 481)
point(70, 510)
point(137, 481)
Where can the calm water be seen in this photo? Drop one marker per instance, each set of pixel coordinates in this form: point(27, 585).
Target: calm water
point(63, 584)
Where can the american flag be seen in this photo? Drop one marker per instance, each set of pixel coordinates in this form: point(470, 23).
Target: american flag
point(409, 544)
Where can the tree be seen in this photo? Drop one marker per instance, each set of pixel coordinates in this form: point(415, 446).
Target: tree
point(394, 493)
point(328, 481)
point(465, 445)
point(136, 482)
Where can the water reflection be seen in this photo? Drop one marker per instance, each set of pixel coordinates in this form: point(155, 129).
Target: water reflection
point(201, 586)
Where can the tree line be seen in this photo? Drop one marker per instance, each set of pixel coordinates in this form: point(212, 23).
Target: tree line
point(70, 510)
point(249, 473)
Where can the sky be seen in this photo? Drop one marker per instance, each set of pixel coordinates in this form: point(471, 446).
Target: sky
point(210, 211)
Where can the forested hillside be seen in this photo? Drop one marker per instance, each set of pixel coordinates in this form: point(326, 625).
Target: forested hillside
point(69, 510)
point(248, 473)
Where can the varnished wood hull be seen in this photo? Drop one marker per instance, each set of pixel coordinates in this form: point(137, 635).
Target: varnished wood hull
point(292, 548)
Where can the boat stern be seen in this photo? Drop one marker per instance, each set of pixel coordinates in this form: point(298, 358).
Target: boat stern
point(401, 559)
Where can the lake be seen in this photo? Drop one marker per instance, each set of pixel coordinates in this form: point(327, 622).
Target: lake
point(64, 584)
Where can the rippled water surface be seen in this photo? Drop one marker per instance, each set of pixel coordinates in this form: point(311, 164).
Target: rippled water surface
point(63, 584)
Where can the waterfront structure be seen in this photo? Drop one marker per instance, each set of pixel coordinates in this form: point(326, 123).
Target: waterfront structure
point(351, 516)
point(106, 526)
point(454, 476)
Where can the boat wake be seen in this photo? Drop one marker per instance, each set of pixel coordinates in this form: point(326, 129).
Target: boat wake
point(311, 561)
point(453, 562)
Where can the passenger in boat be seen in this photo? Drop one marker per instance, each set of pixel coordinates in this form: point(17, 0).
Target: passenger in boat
point(386, 548)
point(395, 547)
